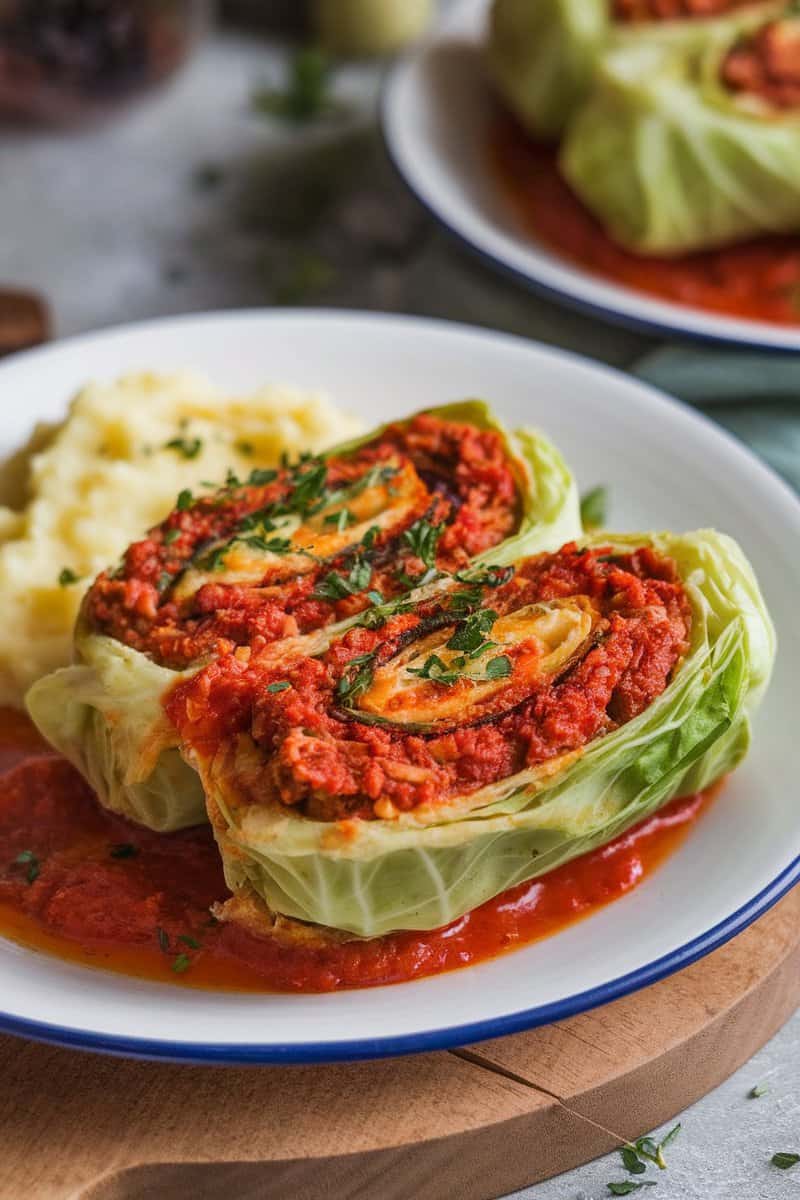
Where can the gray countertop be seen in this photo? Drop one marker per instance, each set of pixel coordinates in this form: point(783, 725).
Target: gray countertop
point(125, 221)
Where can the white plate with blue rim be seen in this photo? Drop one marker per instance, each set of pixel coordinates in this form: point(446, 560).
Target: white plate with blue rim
point(666, 467)
point(436, 110)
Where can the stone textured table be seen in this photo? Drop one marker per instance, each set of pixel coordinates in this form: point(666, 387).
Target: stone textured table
point(193, 201)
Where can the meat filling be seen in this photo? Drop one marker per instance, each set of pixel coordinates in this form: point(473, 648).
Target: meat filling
point(288, 551)
point(535, 663)
point(767, 65)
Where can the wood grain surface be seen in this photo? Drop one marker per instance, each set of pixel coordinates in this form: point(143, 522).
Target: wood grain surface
point(473, 1123)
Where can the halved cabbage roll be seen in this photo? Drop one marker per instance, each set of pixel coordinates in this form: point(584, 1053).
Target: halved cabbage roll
point(275, 557)
point(542, 53)
point(679, 150)
point(412, 767)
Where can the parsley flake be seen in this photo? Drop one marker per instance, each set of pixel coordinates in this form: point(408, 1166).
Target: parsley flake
point(629, 1185)
point(181, 964)
point(785, 1161)
point(423, 539)
point(281, 686)
point(67, 577)
point(26, 858)
point(184, 500)
point(593, 507)
point(188, 447)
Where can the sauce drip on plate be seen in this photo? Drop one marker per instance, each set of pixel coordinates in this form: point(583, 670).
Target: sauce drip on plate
point(87, 886)
point(757, 279)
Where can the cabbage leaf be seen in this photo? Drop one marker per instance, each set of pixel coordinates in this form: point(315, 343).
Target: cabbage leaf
point(670, 161)
point(427, 867)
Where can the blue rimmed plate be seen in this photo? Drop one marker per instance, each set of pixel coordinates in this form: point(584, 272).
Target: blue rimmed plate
point(666, 467)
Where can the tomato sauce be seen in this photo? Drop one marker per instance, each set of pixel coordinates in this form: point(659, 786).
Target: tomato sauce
point(757, 279)
point(87, 886)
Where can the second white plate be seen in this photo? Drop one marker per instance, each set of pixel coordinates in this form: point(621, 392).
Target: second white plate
point(435, 112)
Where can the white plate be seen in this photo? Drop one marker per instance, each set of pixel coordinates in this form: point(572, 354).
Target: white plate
point(435, 113)
point(667, 467)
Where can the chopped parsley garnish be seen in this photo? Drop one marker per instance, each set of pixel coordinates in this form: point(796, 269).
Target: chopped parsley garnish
point(758, 1091)
point(647, 1147)
point(26, 858)
point(214, 560)
point(499, 668)
point(163, 939)
point(423, 538)
point(628, 1186)
point(191, 942)
point(492, 577)
point(281, 686)
point(437, 671)
point(267, 545)
point(593, 508)
point(67, 576)
point(260, 476)
point(171, 536)
point(306, 93)
point(308, 491)
point(164, 581)
point(124, 850)
point(785, 1161)
point(357, 677)
point(184, 500)
point(181, 963)
point(188, 447)
point(470, 636)
point(338, 587)
point(368, 540)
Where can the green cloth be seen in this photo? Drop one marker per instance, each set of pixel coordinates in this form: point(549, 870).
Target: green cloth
point(754, 395)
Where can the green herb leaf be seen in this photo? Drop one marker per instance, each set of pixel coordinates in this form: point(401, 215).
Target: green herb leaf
point(67, 576)
point(188, 447)
point(29, 859)
point(593, 508)
point(309, 486)
point(368, 540)
point(189, 941)
point(756, 1092)
point(338, 587)
point(171, 536)
point(261, 476)
point(785, 1161)
point(356, 678)
point(631, 1161)
point(340, 519)
point(305, 94)
point(181, 964)
point(499, 668)
point(184, 500)
point(163, 939)
point(124, 850)
point(628, 1186)
point(281, 686)
point(423, 539)
point(471, 633)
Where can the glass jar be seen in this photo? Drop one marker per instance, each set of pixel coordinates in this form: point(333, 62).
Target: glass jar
point(66, 60)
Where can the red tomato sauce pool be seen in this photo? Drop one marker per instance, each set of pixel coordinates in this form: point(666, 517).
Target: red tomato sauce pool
point(757, 279)
point(80, 883)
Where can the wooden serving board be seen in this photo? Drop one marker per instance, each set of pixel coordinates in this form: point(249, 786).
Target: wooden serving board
point(473, 1123)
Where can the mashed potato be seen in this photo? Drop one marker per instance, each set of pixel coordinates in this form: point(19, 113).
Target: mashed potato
point(80, 492)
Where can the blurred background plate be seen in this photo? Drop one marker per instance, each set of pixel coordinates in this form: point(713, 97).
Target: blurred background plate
point(665, 466)
point(436, 110)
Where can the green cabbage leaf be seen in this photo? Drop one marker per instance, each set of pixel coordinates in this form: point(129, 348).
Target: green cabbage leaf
point(426, 868)
point(105, 713)
point(670, 161)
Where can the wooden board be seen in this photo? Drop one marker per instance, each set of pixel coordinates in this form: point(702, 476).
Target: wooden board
point(473, 1123)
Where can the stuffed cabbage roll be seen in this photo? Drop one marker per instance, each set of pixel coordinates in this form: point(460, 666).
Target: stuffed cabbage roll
point(542, 53)
point(278, 556)
point(677, 151)
point(421, 762)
